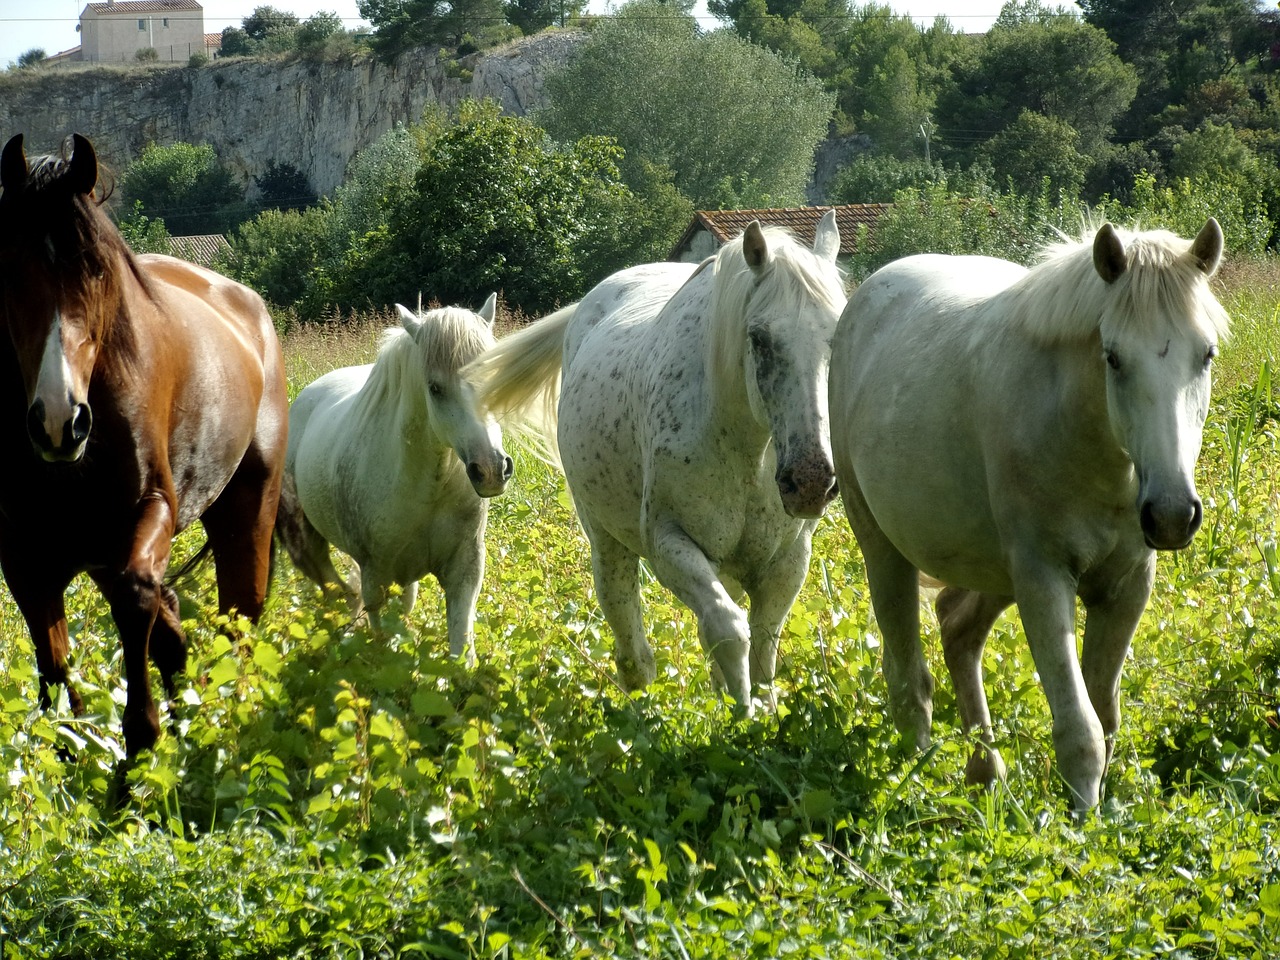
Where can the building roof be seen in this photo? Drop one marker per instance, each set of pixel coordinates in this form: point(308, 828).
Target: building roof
point(212, 40)
point(198, 249)
point(724, 225)
point(132, 7)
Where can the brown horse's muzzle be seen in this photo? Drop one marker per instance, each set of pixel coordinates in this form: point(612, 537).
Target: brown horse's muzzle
point(60, 441)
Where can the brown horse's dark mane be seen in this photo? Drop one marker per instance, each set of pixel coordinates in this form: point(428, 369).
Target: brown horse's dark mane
point(82, 246)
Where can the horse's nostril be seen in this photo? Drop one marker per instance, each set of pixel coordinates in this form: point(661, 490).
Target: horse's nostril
point(81, 423)
point(35, 425)
point(1197, 515)
point(474, 473)
point(508, 468)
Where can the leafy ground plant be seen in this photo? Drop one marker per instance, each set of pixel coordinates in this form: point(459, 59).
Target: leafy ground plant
point(321, 791)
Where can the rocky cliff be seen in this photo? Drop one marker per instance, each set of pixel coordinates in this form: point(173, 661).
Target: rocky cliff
point(314, 116)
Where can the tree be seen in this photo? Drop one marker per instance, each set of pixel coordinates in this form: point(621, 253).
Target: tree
point(235, 43)
point(35, 57)
point(1050, 64)
point(143, 234)
point(530, 16)
point(187, 187)
point(735, 124)
point(1176, 46)
point(496, 205)
point(283, 186)
point(1035, 151)
point(403, 24)
point(315, 32)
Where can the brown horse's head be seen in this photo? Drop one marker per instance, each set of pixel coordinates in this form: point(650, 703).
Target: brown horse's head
point(59, 287)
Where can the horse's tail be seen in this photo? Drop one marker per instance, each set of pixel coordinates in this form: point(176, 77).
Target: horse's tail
point(518, 380)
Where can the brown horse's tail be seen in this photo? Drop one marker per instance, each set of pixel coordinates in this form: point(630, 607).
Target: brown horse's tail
point(190, 565)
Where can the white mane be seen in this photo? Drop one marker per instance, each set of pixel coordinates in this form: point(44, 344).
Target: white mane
point(794, 278)
point(1064, 299)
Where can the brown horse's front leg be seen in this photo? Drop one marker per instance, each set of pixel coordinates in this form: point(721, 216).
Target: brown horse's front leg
point(136, 594)
point(38, 592)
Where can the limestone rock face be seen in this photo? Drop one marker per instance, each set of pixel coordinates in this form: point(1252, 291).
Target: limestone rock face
point(315, 116)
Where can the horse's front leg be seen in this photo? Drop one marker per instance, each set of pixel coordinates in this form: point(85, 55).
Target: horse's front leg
point(135, 594)
point(1046, 599)
point(1110, 621)
point(38, 593)
point(615, 570)
point(460, 579)
point(773, 593)
point(723, 629)
point(895, 598)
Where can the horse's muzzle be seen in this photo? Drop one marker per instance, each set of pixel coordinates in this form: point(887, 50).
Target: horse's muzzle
point(806, 490)
point(490, 482)
point(1170, 526)
point(69, 446)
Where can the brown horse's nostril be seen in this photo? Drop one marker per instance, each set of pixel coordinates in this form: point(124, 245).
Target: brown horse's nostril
point(81, 424)
point(35, 426)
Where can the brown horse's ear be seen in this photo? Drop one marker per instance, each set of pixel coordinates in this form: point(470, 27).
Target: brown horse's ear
point(754, 248)
point(82, 171)
point(1109, 258)
point(13, 164)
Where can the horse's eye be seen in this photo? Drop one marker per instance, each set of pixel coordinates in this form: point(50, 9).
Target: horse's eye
point(435, 389)
point(1209, 355)
point(1113, 361)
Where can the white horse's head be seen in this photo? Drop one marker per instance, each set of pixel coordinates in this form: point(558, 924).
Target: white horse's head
point(1160, 330)
point(448, 339)
point(793, 300)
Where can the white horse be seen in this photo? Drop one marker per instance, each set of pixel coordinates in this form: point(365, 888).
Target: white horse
point(1030, 437)
point(692, 430)
point(392, 463)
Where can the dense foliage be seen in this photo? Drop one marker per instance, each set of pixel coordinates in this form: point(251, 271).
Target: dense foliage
point(455, 205)
point(733, 123)
point(324, 792)
point(187, 187)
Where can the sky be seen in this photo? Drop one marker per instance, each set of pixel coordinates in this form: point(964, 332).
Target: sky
point(51, 24)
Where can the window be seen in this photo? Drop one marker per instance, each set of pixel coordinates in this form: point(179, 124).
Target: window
point(142, 24)
point(166, 22)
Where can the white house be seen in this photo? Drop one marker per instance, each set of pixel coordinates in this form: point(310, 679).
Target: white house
point(116, 30)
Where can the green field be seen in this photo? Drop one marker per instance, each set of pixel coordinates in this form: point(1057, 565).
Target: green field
point(320, 792)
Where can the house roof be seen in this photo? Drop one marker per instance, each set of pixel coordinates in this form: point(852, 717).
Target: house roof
point(132, 7)
point(724, 225)
point(213, 39)
point(198, 249)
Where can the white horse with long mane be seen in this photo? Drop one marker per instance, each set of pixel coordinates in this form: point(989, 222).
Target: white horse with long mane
point(1030, 437)
point(692, 430)
point(392, 463)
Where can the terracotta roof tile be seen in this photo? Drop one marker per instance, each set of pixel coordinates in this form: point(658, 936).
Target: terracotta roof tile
point(724, 225)
point(131, 7)
point(198, 249)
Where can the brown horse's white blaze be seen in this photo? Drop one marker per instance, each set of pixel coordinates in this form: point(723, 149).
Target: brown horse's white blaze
point(59, 417)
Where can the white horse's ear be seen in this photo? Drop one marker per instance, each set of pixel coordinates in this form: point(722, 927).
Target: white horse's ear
point(1109, 258)
point(754, 249)
point(489, 310)
point(1207, 247)
point(407, 318)
point(826, 239)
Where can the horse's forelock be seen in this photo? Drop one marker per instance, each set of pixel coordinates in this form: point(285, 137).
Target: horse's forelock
point(794, 278)
point(447, 340)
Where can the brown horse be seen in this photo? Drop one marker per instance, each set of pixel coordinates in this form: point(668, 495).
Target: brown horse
point(137, 394)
